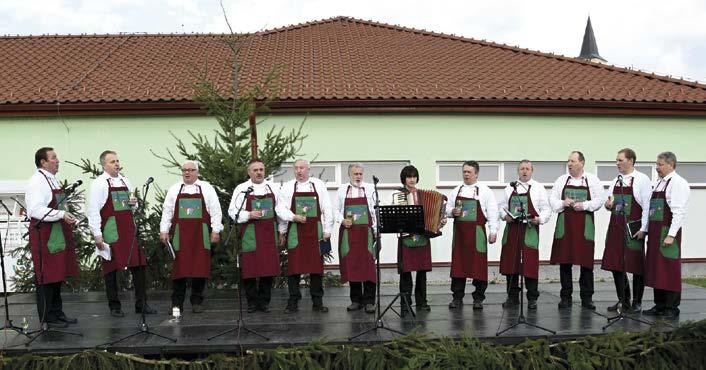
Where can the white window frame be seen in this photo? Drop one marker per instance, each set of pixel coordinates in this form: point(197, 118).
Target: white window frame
point(341, 172)
point(457, 165)
point(652, 175)
point(367, 178)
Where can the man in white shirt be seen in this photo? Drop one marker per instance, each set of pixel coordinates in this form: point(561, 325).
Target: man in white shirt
point(472, 205)
point(575, 197)
point(111, 203)
point(191, 213)
point(354, 210)
point(518, 234)
point(51, 243)
point(628, 201)
point(668, 205)
point(253, 206)
point(305, 211)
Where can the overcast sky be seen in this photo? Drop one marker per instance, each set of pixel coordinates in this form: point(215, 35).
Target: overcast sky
point(665, 37)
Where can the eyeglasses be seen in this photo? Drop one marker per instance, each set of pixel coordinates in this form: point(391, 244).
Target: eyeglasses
point(188, 170)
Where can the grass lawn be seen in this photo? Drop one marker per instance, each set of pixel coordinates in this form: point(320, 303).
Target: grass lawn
point(696, 281)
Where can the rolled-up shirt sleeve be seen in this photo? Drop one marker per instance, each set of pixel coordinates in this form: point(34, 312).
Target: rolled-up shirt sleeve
point(677, 195)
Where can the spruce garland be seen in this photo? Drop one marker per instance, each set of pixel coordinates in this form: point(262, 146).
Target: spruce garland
point(682, 348)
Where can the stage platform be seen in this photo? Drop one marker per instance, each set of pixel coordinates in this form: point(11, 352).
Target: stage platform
point(98, 327)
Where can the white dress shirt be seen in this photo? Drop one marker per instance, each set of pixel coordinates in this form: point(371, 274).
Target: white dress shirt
point(39, 195)
point(210, 199)
point(97, 197)
point(285, 202)
point(677, 194)
point(538, 195)
point(641, 189)
point(486, 199)
point(265, 187)
point(365, 189)
point(594, 186)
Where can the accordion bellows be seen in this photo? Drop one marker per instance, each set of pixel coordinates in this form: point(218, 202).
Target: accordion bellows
point(434, 204)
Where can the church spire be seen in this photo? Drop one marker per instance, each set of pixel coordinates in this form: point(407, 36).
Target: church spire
point(589, 49)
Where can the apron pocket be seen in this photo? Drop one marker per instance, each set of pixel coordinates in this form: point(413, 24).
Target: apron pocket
point(345, 247)
point(371, 242)
point(589, 230)
point(206, 236)
point(506, 231)
point(319, 230)
point(481, 241)
point(671, 252)
point(249, 243)
point(110, 231)
point(292, 238)
point(175, 238)
point(559, 230)
point(56, 242)
point(414, 241)
point(531, 237)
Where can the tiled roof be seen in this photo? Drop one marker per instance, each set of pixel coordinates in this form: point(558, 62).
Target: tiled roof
point(331, 60)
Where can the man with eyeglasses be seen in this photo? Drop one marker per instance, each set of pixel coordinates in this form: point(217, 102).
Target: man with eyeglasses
point(192, 216)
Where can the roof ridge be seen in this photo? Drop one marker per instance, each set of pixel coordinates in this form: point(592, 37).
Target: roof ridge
point(118, 35)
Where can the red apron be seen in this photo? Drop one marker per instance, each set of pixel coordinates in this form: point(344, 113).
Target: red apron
point(413, 251)
point(58, 248)
point(260, 256)
point(469, 256)
point(356, 244)
point(303, 239)
point(118, 229)
point(663, 264)
point(623, 200)
point(575, 230)
point(510, 254)
point(191, 236)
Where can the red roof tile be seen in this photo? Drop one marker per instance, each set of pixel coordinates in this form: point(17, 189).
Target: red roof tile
point(335, 59)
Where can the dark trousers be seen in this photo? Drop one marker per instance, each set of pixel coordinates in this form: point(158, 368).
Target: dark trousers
point(258, 291)
point(665, 299)
point(420, 287)
point(316, 289)
point(622, 286)
point(362, 292)
point(513, 287)
point(49, 304)
point(567, 285)
point(458, 288)
point(138, 280)
point(198, 285)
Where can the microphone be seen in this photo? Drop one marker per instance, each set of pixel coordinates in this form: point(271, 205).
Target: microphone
point(249, 190)
point(513, 184)
point(149, 181)
point(73, 187)
point(620, 179)
point(375, 179)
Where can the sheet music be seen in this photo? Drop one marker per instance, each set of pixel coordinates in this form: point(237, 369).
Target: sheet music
point(105, 253)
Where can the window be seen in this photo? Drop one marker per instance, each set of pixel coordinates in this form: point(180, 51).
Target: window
point(326, 172)
point(544, 172)
point(336, 173)
point(387, 171)
point(498, 173)
point(694, 173)
point(606, 171)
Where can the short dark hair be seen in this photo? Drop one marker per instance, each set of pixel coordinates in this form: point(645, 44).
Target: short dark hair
point(582, 159)
point(525, 161)
point(105, 154)
point(255, 161)
point(473, 164)
point(629, 154)
point(42, 154)
point(408, 171)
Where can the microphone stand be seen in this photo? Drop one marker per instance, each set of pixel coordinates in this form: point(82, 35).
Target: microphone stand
point(239, 322)
point(379, 324)
point(143, 328)
point(523, 223)
point(622, 314)
point(43, 326)
point(8, 323)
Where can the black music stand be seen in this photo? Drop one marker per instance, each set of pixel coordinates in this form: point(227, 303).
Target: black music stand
point(392, 220)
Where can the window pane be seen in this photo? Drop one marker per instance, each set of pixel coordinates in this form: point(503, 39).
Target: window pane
point(544, 172)
point(606, 172)
point(692, 172)
point(387, 172)
point(285, 173)
point(486, 173)
point(646, 169)
point(449, 172)
point(326, 173)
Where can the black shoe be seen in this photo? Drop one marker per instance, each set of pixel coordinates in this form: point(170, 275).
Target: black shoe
point(456, 303)
point(423, 307)
point(670, 313)
point(564, 303)
point(320, 308)
point(69, 320)
point(588, 305)
point(56, 324)
point(370, 308)
point(613, 308)
point(477, 305)
point(636, 307)
point(355, 306)
point(252, 309)
point(197, 308)
point(147, 309)
point(654, 311)
point(511, 303)
point(117, 313)
point(532, 305)
point(291, 309)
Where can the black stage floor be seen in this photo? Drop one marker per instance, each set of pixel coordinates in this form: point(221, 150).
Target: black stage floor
point(98, 327)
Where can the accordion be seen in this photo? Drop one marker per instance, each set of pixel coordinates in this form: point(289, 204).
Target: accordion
point(434, 205)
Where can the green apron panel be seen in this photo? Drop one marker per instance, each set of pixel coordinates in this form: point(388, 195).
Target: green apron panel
point(481, 241)
point(657, 209)
point(319, 230)
point(249, 242)
point(505, 232)
point(357, 213)
point(190, 208)
point(518, 202)
point(415, 241)
point(671, 252)
point(371, 242)
point(56, 242)
point(305, 206)
point(532, 237)
point(264, 205)
point(559, 230)
point(634, 244)
point(622, 202)
point(175, 238)
point(578, 195)
point(110, 231)
point(292, 237)
point(345, 247)
point(59, 201)
point(589, 230)
point(206, 236)
point(120, 199)
point(469, 210)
